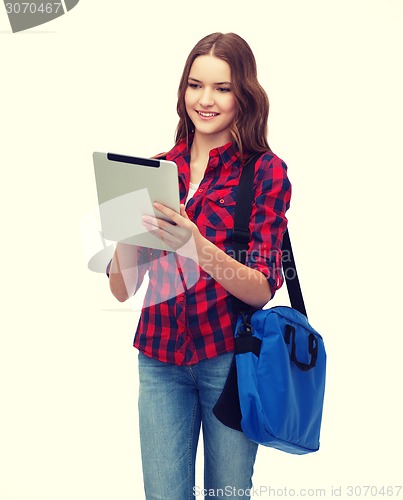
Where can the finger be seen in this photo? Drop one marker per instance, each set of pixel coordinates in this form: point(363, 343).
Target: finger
point(151, 221)
point(150, 227)
point(169, 239)
point(183, 211)
point(156, 231)
point(171, 214)
point(161, 224)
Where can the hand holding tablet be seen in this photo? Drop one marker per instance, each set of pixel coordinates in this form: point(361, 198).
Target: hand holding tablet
point(178, 232)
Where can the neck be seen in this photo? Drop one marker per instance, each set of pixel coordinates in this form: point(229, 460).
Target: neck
point(203, 144)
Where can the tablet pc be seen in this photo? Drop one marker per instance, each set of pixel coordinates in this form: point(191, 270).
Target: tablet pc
point(127, 187)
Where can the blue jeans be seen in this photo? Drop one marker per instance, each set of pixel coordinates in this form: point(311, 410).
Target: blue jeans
point(174, 401)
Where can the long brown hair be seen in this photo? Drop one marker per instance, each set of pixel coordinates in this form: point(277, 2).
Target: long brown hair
point(249, 130)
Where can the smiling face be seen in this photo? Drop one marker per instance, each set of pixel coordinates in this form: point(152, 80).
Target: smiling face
point(209, 99)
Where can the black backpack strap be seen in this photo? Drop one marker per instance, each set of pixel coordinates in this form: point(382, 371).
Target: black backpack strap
point(241, 237)
point(291, 276)
point(243, 209)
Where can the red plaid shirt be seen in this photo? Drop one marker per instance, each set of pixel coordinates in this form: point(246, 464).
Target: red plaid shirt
point(187, 316)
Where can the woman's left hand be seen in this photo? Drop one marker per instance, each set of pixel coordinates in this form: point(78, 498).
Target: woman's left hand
point(182, 236)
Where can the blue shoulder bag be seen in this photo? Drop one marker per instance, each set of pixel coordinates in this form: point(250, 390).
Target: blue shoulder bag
point(275, 387)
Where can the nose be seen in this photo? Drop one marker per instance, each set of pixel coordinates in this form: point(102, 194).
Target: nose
point(206, 99)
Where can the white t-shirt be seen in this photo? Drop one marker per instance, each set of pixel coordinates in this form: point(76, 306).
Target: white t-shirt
point(192, 189)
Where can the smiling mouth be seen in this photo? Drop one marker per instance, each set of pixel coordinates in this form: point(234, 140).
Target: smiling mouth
point(207, 115)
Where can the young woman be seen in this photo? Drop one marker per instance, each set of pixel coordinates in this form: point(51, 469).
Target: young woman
point(185, 333)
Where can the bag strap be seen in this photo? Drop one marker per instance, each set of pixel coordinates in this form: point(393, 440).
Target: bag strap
point(241, 237)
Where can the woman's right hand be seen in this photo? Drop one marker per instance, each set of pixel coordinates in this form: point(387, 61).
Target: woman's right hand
point(123, 275)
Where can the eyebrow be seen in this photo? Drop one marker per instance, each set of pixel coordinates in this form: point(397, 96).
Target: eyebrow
point(216, 83)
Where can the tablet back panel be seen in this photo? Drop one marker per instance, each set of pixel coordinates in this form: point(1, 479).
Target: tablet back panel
point(127, 187)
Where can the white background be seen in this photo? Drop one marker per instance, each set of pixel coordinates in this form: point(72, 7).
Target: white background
point(104, 77)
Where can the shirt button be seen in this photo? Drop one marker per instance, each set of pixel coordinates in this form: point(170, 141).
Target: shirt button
point(201, 190)
point(222, 201)
point(181, 298)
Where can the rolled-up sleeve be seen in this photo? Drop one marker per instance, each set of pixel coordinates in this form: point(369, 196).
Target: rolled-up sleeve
point(144, 257)
point(268, 221)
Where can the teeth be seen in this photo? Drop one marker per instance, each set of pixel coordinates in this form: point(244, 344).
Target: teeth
point(206, 115)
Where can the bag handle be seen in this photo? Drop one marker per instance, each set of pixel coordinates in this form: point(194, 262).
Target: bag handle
point(241, 237)
point(312, 348)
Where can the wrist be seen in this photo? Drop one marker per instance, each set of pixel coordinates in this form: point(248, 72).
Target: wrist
point(202, 249)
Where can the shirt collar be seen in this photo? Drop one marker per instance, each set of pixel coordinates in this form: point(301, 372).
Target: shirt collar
point(228, 153)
